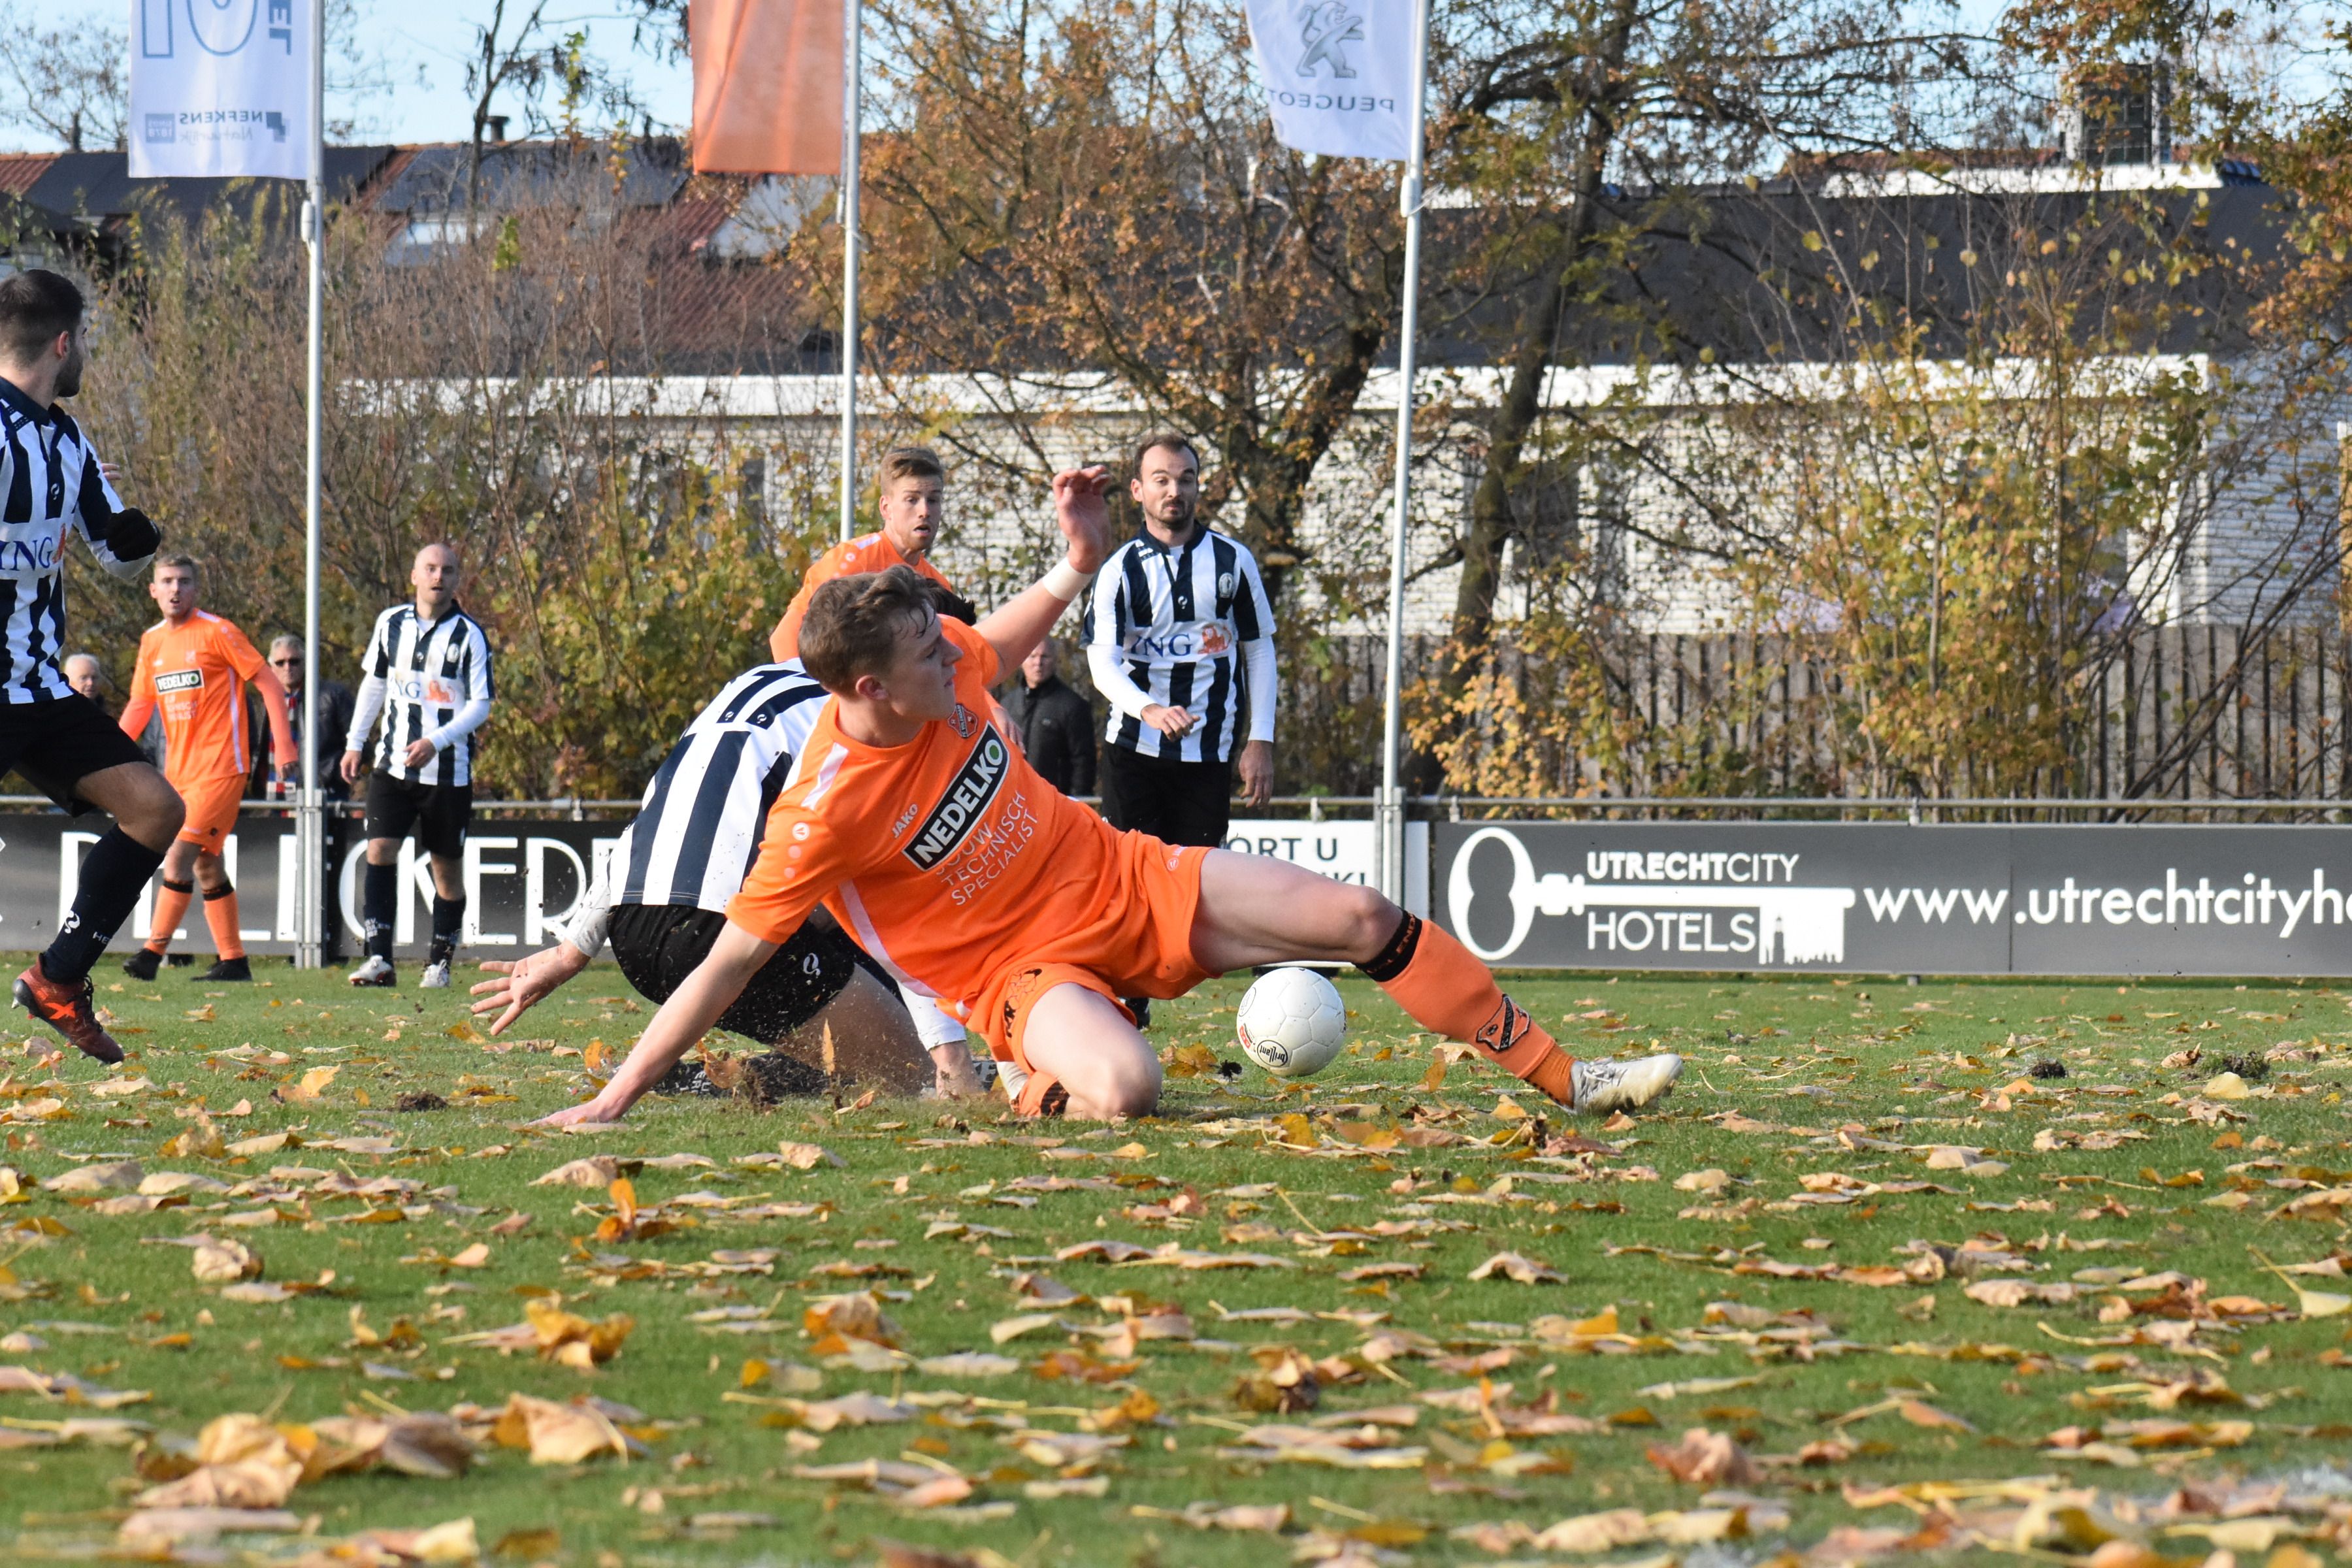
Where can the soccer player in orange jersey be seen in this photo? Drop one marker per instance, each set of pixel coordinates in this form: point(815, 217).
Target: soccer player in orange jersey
point(192, 666)
point(915, 821)
point(913, 502)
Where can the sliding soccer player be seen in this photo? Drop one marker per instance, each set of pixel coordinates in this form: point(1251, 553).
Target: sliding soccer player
point(916, 823)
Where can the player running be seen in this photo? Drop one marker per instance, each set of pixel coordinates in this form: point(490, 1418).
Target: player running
point(193, 666)
point(662, 894)
point(921, 828)
point(912, 483)
point(51, 486)
point(428, 674)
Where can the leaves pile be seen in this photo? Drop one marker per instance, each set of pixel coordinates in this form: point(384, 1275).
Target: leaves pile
point(1876, 1281)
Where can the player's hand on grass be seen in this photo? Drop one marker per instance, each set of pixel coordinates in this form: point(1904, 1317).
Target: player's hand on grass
point(419, 753)
point(589, 1110)
point(526, 981)
point(1082, 509)
point(1173, 723)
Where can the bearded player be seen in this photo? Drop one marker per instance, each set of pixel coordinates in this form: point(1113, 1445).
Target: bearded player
point(192, 666)
point(918, 824)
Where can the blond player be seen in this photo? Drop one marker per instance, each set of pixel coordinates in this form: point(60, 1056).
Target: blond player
point(192, 667)
point(915, 821)
point(912, 486)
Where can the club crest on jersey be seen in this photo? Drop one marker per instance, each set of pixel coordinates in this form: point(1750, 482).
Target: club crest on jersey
point(180, 681)
point(968, 793)
point(1215, 640)
point(1224, 584)
point(962, 721)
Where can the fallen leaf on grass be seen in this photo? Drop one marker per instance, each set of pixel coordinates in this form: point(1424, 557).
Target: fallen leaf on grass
point(162, 1528)
point(123, 1175)
point(596, 1171)
point(1516, 1266)
point(242, 1461)
point(1706, 1459)
point(557, 1433)
point(310, 1085)
point(1268, 1518)
point(968, 1363)
point(855, 1316)
point(806, 1156)
point(221, 1262)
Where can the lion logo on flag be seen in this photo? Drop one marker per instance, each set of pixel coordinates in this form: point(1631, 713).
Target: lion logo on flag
point(1322, 31)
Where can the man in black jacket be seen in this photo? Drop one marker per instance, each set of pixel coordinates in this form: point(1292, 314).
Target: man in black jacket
point(334, 718)
point(1057, 724)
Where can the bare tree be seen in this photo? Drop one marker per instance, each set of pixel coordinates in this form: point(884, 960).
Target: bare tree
point(66, 82)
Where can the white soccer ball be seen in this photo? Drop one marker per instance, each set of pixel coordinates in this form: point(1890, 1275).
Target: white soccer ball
point(1292, 1023)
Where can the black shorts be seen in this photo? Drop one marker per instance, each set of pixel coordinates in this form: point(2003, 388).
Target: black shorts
point(57, 743)
point(658, 945)
point(438, 813)
point(1175, 802)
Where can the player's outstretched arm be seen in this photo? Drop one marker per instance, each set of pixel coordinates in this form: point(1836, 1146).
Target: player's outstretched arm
point(526, 981)
point(1083, 513)
point(688, 1015)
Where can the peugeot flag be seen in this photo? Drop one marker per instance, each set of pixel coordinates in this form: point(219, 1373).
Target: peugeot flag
point(220, 87)
point(766, 86)
point(1339, 74)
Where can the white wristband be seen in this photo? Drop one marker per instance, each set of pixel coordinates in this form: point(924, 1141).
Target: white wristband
point(1066, 582)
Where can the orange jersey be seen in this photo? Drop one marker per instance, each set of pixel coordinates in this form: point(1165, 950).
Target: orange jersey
point(196, 674)
point(954, 863)
point(867, 553)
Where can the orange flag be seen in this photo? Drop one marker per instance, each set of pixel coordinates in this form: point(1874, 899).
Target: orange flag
point(766, 86)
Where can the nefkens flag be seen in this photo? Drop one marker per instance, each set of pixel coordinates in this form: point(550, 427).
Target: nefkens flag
point(220, 87)
point(767, 84)
point(1338, 73)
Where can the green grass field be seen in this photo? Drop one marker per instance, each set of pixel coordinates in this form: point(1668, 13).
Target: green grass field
point(1808, 1254)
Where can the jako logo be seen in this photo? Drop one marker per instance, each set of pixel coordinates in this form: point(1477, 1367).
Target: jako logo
point(968, 793)
point(1321, 32)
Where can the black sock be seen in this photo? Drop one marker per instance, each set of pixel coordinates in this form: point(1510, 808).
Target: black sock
point(376, 907)
point(448, 923)
point(113, 874)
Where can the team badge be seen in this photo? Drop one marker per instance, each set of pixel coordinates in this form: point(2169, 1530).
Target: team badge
point(1224, 584)
point(962, 722)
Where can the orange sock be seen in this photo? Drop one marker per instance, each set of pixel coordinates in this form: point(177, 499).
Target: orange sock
point(170, 909)
point(1443, 986)
point(220, 913)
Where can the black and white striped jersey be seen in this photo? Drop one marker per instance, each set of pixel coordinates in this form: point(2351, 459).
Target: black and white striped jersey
point(50, 487)
point(430, 680)
point(698, 828)
point(1184, 626)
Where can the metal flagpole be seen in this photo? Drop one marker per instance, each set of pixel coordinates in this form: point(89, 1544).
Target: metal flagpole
point(309, 816)
point(851, 22)
point(1391, 801)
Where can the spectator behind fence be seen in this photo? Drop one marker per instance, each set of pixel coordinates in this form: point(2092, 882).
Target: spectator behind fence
point(334, 722)
point(81, 673)
point(1057, 725)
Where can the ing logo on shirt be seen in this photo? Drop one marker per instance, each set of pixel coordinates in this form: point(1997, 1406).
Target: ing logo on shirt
point(427, 688)
point(967, 795)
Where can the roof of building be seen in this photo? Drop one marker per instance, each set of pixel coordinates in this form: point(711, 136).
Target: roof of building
point(1780, 273)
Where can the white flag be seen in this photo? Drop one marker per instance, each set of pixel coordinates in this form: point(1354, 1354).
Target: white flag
point(220, 87)
point(1338, 73)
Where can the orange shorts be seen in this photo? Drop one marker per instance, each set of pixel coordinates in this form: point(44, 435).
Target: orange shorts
point(212, 810)
point(1140, 945)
